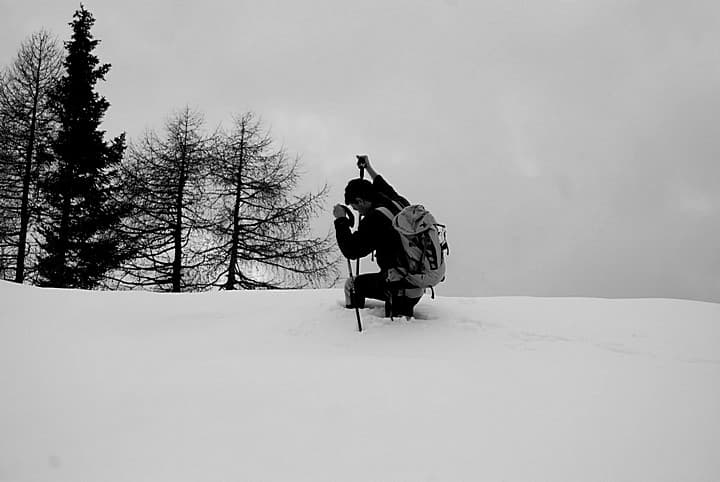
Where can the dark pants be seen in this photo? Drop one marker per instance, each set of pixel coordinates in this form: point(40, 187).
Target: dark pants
point(373, 285)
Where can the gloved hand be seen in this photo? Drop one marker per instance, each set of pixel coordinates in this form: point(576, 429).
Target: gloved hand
point(363, 162)
point(341, 211)
point(394, 275)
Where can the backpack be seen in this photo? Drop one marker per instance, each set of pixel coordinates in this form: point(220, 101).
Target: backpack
point(424, 243)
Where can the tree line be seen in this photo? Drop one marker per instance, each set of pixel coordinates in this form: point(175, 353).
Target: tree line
point(181, 208)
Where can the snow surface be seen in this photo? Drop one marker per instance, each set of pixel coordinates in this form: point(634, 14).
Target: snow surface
point(268, 386)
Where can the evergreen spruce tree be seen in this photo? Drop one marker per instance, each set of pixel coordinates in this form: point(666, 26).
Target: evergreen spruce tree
point(81, 237)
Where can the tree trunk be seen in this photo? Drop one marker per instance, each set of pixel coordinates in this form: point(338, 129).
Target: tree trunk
point(177, 235)
point(27, 178)
point(235, 241)
point(64, 235)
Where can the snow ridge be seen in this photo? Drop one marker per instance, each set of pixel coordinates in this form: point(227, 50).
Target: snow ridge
point(279, 385)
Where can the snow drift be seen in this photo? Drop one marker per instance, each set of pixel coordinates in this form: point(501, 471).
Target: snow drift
point(279, 385)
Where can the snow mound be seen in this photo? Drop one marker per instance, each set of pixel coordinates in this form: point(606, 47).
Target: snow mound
point(279, 385)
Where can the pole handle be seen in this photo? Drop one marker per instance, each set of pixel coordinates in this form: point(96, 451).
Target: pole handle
point(361, 163)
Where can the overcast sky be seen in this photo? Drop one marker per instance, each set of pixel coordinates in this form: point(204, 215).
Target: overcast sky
point(572, 147)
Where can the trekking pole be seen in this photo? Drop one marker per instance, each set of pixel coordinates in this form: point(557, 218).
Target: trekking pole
point(350, 273)
point(362, 176)
point(353, 298)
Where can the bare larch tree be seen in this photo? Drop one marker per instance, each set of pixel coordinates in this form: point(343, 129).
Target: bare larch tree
point(261, 233)
point(26, 124)
point(166, 176)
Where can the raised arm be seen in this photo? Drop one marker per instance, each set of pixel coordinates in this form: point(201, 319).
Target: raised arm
point(381, 185)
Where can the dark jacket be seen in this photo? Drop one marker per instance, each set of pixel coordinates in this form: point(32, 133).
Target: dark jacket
point(375, 232)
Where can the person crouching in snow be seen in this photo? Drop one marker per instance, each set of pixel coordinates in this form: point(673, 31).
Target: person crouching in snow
point(375, 233)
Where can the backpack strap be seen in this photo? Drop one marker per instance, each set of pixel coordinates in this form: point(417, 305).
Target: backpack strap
point(386, 212)
point(391, 213)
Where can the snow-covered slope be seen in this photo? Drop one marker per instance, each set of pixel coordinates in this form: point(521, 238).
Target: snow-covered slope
point(255, 386)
